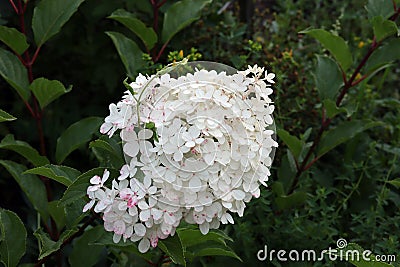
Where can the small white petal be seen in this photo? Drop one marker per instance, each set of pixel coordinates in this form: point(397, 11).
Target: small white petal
point(144, 245)
point(144, 215)
point(178, 155)
point(116, 238)
point(195, 184)
point(119, 227)
point(105, 176)
point(204, 228)
point(152, 190)
point(89, 205)
point(140, 229)
point(145, 134)
point(143, 205)
point(131, 149)
point(170, 176)
point(238, 194)
point(157, 214)
point(190, 143)
point(169, 218)
point(166, 228)
point(95, 180)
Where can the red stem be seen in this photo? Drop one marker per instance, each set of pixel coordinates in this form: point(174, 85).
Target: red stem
point(14, 6)
point(360, 80)
point(36, 113)
point(35, 56)
point(20, 12)
point(26, 4)
point(161, 52)
point(161, 3)
point(155, 15)
point(349, 83)
point(325, 122)
point(156, 6)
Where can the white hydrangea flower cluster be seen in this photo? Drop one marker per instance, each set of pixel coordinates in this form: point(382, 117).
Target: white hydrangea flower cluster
point(197, 149)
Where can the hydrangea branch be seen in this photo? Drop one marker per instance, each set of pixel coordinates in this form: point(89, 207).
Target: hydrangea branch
point(35, 111)
point(325, 122)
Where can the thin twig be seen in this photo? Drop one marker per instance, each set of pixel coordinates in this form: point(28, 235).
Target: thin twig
point(26, 4)
point(305, 165)
point(161, 3)
point(14, 6)
point(35, 55)
point(161, 51)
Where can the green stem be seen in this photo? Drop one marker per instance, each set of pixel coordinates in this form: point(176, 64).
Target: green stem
point(357, 185)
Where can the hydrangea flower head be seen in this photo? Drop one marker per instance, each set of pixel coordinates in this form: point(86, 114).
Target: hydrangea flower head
point(208, 150)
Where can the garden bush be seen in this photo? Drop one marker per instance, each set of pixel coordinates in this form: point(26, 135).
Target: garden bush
point(335, 175)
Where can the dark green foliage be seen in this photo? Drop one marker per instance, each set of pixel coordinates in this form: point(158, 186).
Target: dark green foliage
point(336, 173)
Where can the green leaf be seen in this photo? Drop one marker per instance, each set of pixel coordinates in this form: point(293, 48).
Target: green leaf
point(78, 188)
point(210, 249)
point(290, 201)
point(76, 135)
point(277, 188)
point(13, 39)
point(293, 143)
point(48, 246)
point(79, 256)
point(30, 184)
point(193, 237)
point(146, 34)
point(108, 152)
point(354, 249)
point(342, 133)
point(57, 212)
point(331, 109)
point(12, 70)
point(328, 78)
point(180, 15)
point(46, 91)
point(383, 28)
point(286, 174)
point(381, 8)
point(388, 52)
point(13, 238)
point(395, 182)
point(24, 149)
point(49, 16)
point(172, 246)
point(73, 212)
point(62, 174)
point(129, 52)
point(4, 116)
point(334, 44)
point(195, 244)
point(106, 239)
point(217, 251)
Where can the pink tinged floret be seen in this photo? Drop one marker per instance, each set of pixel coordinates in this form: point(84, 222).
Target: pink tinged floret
point(119, 227)
point(132, 202)
point(154, 241)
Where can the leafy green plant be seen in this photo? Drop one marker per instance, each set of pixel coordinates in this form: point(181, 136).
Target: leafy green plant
point(336, 174)
point(176, 17)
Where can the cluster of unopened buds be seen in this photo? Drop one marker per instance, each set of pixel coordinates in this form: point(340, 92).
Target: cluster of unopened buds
point(197, 148)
